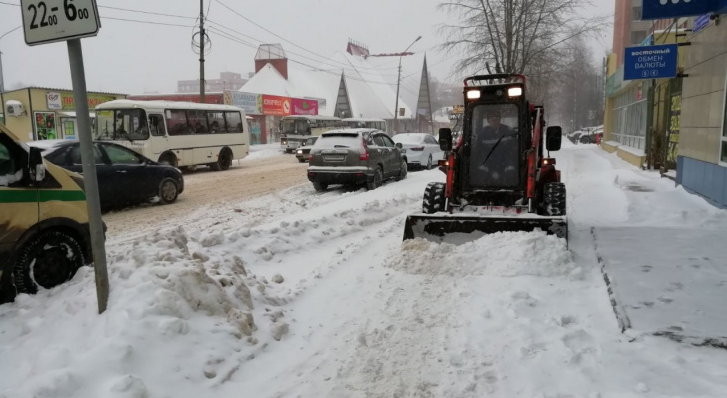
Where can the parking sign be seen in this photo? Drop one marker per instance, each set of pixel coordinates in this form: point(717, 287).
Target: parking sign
point(48, 21)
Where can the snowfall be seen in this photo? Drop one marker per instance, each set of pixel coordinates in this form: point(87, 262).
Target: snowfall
point(306, 294)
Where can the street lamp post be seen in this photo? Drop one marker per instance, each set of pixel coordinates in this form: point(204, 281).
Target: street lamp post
point(398, 82)
point(2, 80)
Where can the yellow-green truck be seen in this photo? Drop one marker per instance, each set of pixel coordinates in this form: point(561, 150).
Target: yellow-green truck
point(44, 232)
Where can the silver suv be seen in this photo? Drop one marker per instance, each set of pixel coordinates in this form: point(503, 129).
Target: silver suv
point(355, 157)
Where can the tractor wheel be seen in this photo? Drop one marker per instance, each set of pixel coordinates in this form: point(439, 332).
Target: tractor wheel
point(434, 198)
point(555, 199)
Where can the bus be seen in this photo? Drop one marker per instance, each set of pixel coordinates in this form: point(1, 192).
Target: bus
point(354, 122)
point(296, 129)
point(181, 134)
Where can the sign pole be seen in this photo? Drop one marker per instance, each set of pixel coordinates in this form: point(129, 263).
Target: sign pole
point(78, 77)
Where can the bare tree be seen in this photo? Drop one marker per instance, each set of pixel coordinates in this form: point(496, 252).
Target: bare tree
point(514, 36)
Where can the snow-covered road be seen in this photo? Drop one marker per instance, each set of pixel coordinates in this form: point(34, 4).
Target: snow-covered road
point(301, 294)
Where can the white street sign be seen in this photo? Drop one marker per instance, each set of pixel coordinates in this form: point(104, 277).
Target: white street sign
point(47, 21)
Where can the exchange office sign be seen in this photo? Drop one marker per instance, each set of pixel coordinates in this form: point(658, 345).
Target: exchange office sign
point(651, 62)
point(667, 9)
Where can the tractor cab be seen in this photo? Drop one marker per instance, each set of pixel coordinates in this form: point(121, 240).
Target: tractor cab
point(498, 177)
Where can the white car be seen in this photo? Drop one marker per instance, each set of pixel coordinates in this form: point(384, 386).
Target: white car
point(421, 149)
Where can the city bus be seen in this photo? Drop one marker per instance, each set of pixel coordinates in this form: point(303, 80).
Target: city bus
point(356, 123)
point(181, 134)
point(296, 129)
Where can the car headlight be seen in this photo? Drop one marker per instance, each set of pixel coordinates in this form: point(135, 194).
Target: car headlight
point(300, 151)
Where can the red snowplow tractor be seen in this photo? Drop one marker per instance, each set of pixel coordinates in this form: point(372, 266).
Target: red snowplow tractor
point(500, 176)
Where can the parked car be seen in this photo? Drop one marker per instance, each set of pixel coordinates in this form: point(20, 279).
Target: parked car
point(591, 137)
point(354, 157)
point(421, 149)
point(124, 177)
point(303, 151)
point(44, 224)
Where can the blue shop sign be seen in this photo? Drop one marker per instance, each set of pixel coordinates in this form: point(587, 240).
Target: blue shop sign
point(651, 62)
point(665, 9)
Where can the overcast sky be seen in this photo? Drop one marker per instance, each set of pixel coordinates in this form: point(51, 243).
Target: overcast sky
point(130, 57)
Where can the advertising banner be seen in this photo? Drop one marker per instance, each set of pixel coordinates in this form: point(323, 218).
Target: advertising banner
point(53, 100)
point(663, 9)
point(69, 103)
point(249, 102)
point(304, 106)
point(276, 106)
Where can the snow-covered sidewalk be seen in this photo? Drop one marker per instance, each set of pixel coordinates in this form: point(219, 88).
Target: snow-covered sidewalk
point(302, 294)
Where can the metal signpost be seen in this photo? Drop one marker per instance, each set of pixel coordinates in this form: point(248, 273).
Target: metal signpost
point(49, 21)
point(651, 62)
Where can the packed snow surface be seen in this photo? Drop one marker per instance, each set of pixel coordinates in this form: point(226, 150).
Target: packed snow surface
point(306, 294)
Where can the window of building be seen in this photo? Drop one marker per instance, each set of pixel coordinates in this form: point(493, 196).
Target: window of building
point(638, 37)
point(636, 13)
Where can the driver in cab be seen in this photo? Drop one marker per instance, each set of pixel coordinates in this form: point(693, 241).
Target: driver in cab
point(494, 150)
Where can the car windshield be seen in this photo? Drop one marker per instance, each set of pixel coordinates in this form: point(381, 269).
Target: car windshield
point(338, 140)
point(296, 126)
point(494, 142)
point(409, 138)
point(121, 124)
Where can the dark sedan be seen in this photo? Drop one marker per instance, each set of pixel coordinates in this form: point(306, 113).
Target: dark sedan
point(124, 177)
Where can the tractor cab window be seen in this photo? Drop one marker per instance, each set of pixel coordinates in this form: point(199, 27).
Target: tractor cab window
point(495, 159)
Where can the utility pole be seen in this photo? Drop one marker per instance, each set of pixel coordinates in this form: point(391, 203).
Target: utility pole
point(398, 83)
point(201, 52)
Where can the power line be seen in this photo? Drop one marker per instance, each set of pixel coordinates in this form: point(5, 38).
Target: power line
point(147, 12)
point(348, 67)
point(147, 22)
point(281, 37)
point(237, 40)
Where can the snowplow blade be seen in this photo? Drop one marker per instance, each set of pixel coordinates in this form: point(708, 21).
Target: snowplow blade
point(461, 229)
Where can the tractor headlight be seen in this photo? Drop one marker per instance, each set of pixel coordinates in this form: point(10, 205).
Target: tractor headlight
point(514, 91)
point(473, 94)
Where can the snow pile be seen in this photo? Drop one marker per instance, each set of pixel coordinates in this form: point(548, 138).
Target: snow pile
point(178, 318)
point(499, 254)
point(258, 152)
point(8, 179)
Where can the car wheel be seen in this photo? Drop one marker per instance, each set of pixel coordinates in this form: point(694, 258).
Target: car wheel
point(429, 163)
point(585, 139)
point(402, 171)
point(168, 191)
point(319, 186)
point(377, 180)
point(52, 258)
point(168, 159)
point(301, 160)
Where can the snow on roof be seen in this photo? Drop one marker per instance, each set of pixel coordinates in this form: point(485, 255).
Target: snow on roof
point(314, 84)
point(371, 96)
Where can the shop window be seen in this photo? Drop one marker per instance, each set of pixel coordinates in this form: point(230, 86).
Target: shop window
point(638, 37)
point(45, 125)
point(723, 155)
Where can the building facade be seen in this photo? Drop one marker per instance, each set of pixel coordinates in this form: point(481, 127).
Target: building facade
point(227, 81)
point(702, 151)
point(41, 113)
